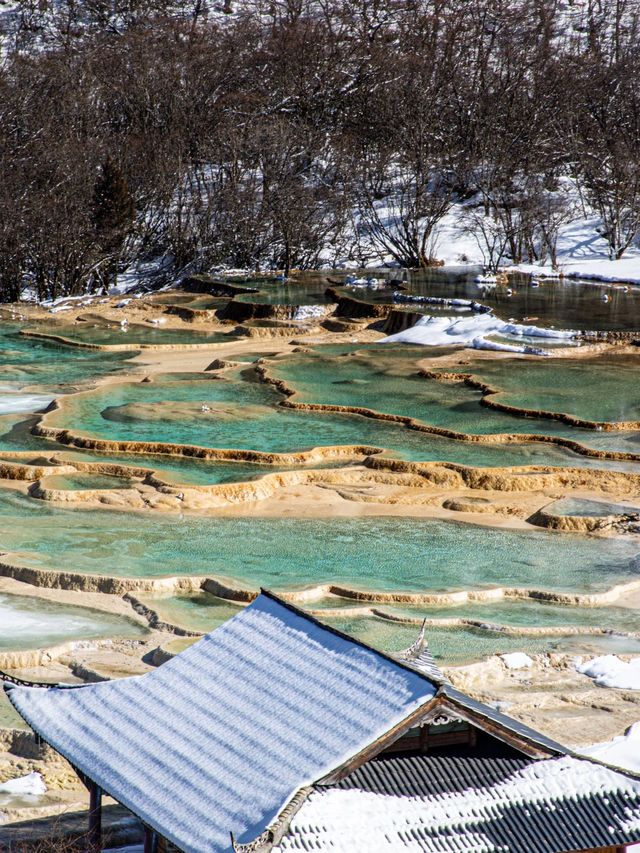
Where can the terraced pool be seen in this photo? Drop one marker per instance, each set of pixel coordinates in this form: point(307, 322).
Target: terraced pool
point(285, 553)
point(235, 410)
point(32, 623)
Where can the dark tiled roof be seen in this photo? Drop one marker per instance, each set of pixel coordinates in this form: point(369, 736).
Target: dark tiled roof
point(442, 804)
point(419, 776)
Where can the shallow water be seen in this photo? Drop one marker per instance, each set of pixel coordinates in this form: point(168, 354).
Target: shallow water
point(246, 415)
point(369, 553)
point(404, 443)
point(286, 294)
point(203, 612)
point(196, 611)
point(189, 300)
point(567, 304)
point(602, 388)
point(463, 645)
point(29, 623)
point(591, 509)
point(30, 361)
point(108, 335)
point(195, 472)
point(387, 379)
point(80, 481)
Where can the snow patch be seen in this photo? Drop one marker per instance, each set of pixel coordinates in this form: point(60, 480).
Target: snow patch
point(622, 751)
point(516, 660)
point(473, 332)
point(11, 404)
point(308, 312)
point(363, 821)
point(31, 785)
point(461, 304)
point(610, 671)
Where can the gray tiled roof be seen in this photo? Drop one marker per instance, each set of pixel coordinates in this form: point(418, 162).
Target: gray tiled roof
point(443, 804)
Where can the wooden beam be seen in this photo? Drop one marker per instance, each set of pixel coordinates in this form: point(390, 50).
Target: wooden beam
point(95, 818)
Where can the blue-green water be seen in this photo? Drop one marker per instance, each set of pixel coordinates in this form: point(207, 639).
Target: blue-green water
point(182, 470)
point(108, 335)
point(203, 612)
point(31, 361)
point(600, 388)
point(286, 294)
point(245, 414)
point(284, 553)
point(580, 507)
point(566, 304)
point(82, 481)
point(370, 553)
point(467, 644)
point(388, 380)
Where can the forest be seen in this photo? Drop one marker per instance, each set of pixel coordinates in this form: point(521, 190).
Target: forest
point(141, 134)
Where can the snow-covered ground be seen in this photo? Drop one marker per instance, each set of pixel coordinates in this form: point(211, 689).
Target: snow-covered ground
point(11, 404)
point(474, 332)
point(623, 751)
point(582, 251)
point(610, 671)
point(30, 785)
point(25, 790)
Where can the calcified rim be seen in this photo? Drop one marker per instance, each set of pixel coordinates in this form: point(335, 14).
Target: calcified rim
point(423, 475)
point(489, 393)
point(507, 479)
point(226, 589)
point(128, 347)
point(289, 392)
point(234, 336)
point(365, 603)
point(16, 659)
point(499, 479)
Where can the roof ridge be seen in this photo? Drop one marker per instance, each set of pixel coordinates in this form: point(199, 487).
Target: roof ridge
point(344, 636)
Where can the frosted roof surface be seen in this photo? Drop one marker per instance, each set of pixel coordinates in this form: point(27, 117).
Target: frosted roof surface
point(548, 806)
point(218, 739)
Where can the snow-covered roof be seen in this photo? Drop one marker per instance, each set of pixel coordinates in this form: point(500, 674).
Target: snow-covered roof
point(523, 737)
point(442, 804)
point(220, 738)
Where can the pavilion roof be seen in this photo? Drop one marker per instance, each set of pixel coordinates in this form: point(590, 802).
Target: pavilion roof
point(221, 738)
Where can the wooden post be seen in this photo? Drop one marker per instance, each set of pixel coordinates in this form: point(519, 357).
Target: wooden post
point(150, 840)
point(95, 818)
